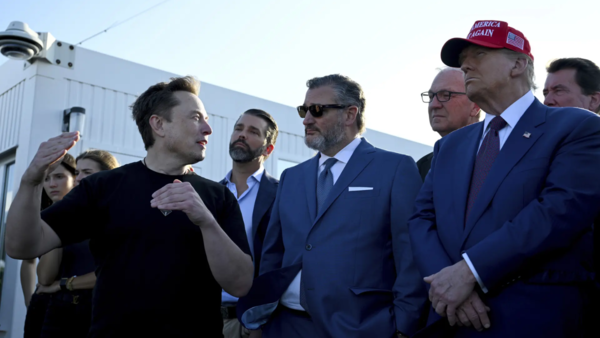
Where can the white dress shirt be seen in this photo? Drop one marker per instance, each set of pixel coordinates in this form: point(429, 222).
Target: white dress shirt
point(291, 296)
point(246, 201)
point(511, 115)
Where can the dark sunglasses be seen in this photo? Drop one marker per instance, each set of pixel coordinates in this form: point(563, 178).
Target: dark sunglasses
point(317, 110)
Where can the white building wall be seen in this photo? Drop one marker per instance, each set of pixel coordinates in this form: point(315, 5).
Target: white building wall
point(32, 100)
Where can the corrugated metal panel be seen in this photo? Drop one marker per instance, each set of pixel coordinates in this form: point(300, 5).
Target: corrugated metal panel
point(108, 117)
point(11, 105)
point(217, 152)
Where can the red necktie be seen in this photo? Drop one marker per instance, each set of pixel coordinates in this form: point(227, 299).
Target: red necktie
point(489, 150)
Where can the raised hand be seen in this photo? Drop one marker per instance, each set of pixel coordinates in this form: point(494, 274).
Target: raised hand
point(48, 157)
point(182, 196)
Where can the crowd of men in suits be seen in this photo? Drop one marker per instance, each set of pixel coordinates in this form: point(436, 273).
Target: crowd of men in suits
point(491, 235)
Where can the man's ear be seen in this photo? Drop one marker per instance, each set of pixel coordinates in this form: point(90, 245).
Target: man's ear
point(268, 150)
point(350, 115)
point(475, 110)
point(156, 123)
point(595, 102)
point(519, 67)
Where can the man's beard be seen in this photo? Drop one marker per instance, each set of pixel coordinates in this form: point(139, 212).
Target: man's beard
point(245, 155)
point(324, 141)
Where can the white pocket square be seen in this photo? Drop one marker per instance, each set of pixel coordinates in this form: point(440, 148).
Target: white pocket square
point(359, 188)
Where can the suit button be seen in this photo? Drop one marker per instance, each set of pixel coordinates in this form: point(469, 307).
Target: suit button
point(308, 247)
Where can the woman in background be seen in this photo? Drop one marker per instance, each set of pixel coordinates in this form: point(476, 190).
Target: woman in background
point(67, 274)
point(56, 185)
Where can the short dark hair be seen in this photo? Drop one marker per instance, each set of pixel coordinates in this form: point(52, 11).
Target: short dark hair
point(587, 73)
point(272, 128)
point(159, 100)
point(347, 91)
point(105, 160)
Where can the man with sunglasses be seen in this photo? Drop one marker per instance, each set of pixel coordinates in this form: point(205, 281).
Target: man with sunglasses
point(337, 247)
point(449, 108)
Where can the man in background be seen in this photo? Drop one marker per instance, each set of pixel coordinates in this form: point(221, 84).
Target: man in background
point(573, 82)
point(252, 142)
point(449, 108)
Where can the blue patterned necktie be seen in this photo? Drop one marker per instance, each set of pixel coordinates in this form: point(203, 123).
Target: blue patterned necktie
point(490, 148)
point(325, 182)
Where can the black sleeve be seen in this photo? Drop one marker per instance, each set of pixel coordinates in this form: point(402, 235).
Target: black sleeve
point(72, 218)
point(231, 221)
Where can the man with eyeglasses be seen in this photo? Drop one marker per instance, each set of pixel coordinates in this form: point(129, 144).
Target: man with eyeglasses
point(337, 257)
point(449, 108)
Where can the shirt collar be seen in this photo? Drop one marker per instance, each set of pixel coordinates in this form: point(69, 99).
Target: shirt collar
point(512, 114)
point(257, 175)
point(344, 154)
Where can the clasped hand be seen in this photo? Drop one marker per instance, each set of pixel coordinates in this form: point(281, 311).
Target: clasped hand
point(182, 196)
point(452, 295)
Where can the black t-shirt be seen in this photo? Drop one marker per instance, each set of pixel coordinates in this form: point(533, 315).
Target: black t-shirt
point(77, 260)
point(152, 272)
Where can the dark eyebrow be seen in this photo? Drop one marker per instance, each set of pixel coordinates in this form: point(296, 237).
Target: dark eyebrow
point(559, 86)
point(256, 129)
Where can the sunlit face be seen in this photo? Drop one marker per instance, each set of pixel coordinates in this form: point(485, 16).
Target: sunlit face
point(86, 167)
point(325, 132)
point(249, 139)
point(58, 183)
point(486, 70)
point(459, 111)
point(562, 90)
point(186, 136)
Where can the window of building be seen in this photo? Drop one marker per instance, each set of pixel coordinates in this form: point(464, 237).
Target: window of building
point(7, 172)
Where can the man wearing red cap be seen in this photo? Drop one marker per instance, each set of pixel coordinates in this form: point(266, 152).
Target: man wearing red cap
point(504, 236)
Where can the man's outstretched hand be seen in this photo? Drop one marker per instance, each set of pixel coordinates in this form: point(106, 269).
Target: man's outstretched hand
point(48, 157)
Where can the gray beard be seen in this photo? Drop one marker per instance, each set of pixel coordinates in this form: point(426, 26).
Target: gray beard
point(328, 140)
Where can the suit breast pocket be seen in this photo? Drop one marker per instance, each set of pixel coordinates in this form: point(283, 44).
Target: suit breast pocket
point(360, 192)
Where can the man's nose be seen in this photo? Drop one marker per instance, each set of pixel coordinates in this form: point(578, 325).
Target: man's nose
point(435, 103)
point(207, 129)
point(549, 100)
point(308, 119)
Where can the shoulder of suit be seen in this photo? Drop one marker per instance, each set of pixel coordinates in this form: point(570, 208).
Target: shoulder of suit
point(568, 113)
point(270, 178)
point(389, 155)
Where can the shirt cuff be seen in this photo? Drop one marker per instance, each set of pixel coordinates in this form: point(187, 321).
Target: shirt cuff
point(479, 281)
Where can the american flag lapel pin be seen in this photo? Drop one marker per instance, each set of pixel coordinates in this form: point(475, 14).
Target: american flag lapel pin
point(527, 134)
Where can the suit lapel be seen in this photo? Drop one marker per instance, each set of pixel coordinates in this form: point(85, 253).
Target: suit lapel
point(310, 185)
point(463, 170)
point(515, 147)
point(265, 197)
point(362, 156)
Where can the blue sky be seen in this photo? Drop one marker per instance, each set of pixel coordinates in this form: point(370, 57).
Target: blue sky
point(270, 48)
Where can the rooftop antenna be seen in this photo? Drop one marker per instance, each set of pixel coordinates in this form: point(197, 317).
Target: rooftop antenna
point(118, 23)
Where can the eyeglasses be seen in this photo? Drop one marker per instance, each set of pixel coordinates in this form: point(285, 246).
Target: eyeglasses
point(442, 96)
point(317, 110)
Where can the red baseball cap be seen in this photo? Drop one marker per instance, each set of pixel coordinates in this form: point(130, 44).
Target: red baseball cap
point(490, 34)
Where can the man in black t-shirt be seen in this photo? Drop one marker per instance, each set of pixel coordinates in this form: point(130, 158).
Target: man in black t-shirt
point(165, 240)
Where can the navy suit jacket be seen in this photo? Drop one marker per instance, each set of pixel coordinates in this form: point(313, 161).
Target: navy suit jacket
point(358, 273)
point(261, 214)
point(531, 223)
